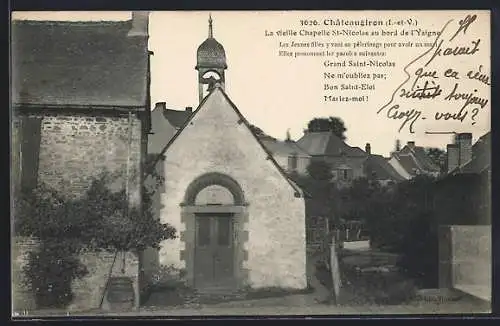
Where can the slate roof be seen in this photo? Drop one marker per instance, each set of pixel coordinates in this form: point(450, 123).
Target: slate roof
point(327, 144)
point(162, 122)
point(378, 165)
point(176, 118)
point(285, 148)
point(415, 160)
point(57, 64)
point(409, 164)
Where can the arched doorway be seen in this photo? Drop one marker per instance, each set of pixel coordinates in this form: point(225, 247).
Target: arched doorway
point(214, 213)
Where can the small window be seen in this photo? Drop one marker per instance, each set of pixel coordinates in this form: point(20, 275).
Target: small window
point(292, 162)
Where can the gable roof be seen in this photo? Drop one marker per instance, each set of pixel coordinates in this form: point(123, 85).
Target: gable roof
point(165, 123)
point(176, 118)
point(80, 64)
point(286, 148)
point(408, 163)
point(378, 165)
point(415, 160)
point(299, 192)
point(327, 143)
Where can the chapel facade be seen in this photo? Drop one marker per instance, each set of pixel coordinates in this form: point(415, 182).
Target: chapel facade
point(240, 219)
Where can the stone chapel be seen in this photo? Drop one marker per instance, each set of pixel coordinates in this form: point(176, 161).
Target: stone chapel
point(240, 220)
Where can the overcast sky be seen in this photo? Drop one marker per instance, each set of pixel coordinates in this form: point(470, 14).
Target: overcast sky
point(279, 93)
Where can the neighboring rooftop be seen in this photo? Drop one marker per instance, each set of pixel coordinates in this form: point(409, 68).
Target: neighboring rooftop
point(379, 167)
point(327, 144)
point(58, 63)
point(286, 147)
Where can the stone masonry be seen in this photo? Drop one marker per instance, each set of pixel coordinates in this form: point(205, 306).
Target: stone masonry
point(73, 149)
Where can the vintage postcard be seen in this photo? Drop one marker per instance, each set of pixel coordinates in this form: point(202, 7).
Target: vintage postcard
point(250, 163)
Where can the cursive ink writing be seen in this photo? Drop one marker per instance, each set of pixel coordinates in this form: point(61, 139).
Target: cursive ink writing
point(458, 50)
point(469, 98)
point(422, 93)
point(421, 73)
point(460, 115)
point(483, 78)
point(464, 24)
point(450, 73)
point(408, 115)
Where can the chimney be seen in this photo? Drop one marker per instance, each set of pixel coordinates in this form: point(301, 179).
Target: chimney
point(411, 144)
point(140, 23)
point(452, 153)
point(161, 106)
point(368, 148)
point(189, 109)
point(464, 142)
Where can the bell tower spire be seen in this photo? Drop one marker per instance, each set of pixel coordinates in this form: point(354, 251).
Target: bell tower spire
point(210, 26)
point(210, 63)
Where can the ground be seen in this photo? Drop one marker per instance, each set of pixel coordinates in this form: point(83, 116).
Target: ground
point(370, 286)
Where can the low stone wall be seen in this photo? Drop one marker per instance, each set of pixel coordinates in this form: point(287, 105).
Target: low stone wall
point(465, 259)
point(88, 292)
point(23, 298)
point(91, 290)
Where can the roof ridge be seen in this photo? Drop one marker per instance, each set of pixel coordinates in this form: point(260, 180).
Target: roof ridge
point(295, 187)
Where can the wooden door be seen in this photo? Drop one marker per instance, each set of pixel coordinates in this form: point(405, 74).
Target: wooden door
point(214, 257)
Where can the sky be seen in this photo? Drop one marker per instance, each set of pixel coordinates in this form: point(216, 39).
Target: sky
point(278, 93)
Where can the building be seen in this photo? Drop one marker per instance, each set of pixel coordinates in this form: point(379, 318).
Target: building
point(463, 195)
point(378, 168)
point(288, 155)
point(80, 107)
point(412, 160)
point(241, 221)
point(347, 162)
point(462, 205)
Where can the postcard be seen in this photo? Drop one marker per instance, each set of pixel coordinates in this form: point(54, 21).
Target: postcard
point(243, 163)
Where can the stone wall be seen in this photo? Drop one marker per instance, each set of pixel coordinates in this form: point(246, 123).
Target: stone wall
point(75, 148)
point(465, 258)
point(23, 298)
point(91, 290)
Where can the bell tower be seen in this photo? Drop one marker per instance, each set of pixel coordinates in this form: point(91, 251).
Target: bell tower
point(210, 63)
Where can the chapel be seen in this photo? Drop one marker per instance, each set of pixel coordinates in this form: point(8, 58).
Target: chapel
point(240, 220)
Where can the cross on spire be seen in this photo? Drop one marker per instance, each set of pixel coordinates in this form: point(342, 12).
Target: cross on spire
point(210, 28)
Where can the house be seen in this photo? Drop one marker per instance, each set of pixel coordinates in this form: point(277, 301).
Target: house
point(165, 123)
point(288, 155)
point(463, 195)
point(378, 168)
point(462, 205)
point(347, 162)
point(412, 160)
point(241, 220)
point(80, 101)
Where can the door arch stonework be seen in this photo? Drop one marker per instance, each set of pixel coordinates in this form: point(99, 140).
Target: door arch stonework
point(230, 199)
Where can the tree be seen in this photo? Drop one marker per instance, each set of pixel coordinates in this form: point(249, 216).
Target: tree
point(333, 124)
point(100, 220)
point(438, 157)
point(320, 170)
